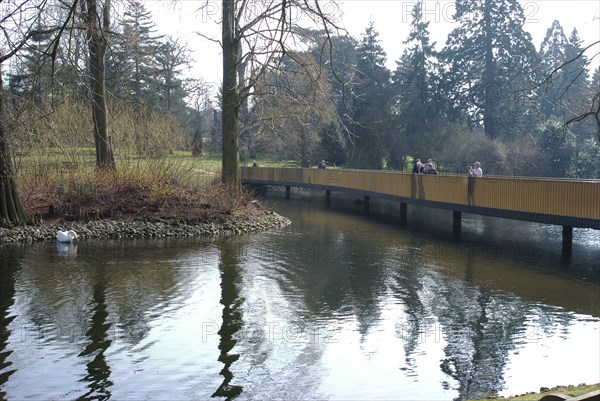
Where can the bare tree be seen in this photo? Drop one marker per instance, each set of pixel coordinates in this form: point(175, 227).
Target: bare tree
point(203, 114)
point(255, 36)
point(294, 103)
point(593, 104)
point(20, 21)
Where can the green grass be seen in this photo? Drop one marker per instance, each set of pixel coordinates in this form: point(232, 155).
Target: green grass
point(75, 163)
point(571, 391)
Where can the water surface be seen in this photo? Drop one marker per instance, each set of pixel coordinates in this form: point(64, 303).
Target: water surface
point(338, 305)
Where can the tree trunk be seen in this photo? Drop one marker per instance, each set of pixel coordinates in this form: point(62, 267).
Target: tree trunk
point(231, 105)
point(96, 36)
point(197, 144)
point(12, 211)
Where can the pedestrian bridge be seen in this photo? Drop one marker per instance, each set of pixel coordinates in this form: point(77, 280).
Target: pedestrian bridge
point(570, 203)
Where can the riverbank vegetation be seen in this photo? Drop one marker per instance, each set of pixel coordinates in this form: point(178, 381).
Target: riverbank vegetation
point(569, 391)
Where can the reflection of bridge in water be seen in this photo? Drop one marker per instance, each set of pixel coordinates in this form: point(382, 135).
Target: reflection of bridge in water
point(569, 203)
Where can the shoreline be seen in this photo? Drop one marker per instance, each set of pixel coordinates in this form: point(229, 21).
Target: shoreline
point(555, 393)
point(141, 228)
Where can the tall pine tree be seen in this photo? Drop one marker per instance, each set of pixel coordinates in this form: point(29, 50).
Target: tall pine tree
point(372, 106)
point(414, 90)
point(490, 63)
point(552, 56)
point(135, 73)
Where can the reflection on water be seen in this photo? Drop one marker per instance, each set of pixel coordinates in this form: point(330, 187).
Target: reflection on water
point(98, 371)
point(9, 264)
point(232, 318)
point(336, 306)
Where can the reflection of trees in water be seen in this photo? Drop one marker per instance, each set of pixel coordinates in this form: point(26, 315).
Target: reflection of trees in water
point(53, 293)
point(98, 376)
point(9, 263)
point(140, 278)
point(232, 317)
point(480, 334)
point(409, 288)
point(481, 329)
point(354, 283)
point(284, 327)
point(108, 286)
point(366, 285)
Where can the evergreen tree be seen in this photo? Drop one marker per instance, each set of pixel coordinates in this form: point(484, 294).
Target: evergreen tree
point(576, 73)
point(171, 57)
point(135, 73)
point(594, 95)
point(575, 101)
point(31, 74)
point(552, 56)
point(414, 89)
point(491, 66)
point(564, 97)
point(371, 109)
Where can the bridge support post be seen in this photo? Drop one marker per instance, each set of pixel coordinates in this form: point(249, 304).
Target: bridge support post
point(567, 241)
point(288, 191)
point(328, 197)
point(367, 206)
point(456, 223)
point(403, 213)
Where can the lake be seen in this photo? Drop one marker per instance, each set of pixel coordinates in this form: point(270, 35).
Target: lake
point(338, 305)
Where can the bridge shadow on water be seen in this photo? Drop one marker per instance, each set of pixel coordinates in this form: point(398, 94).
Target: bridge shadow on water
point(537, 246)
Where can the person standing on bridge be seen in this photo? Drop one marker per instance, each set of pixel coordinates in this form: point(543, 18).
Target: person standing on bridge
point(477, 171)
point(430, 169)
point(418, 167)
point(322, 165)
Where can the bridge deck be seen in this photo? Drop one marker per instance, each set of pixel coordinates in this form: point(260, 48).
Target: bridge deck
point(574, 203)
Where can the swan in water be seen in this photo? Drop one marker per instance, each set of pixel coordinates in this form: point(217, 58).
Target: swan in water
point(66, 236)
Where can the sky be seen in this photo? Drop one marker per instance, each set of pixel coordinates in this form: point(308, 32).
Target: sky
point(391, 20)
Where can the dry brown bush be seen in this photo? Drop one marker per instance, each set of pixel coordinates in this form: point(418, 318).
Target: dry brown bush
point(57, 177)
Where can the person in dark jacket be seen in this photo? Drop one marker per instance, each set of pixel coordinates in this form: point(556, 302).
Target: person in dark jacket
point(418, 167)
point(430, 169)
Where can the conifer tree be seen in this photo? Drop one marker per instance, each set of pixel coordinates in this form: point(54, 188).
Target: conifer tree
point(135, 72)
point(31, 74)
point(552, 56)
point(575, 76)
point(171, 58)
point(371, 114)
point(490, 64)
point(414, 88)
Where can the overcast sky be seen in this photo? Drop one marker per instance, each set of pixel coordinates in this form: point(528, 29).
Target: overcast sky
point(391, 20)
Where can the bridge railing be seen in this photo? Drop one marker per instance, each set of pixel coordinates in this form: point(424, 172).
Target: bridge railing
point(560, 197)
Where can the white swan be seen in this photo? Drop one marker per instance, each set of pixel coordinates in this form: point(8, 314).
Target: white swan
point(66, 236)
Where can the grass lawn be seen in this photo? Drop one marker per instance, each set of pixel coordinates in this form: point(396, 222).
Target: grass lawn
point(570, 391)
